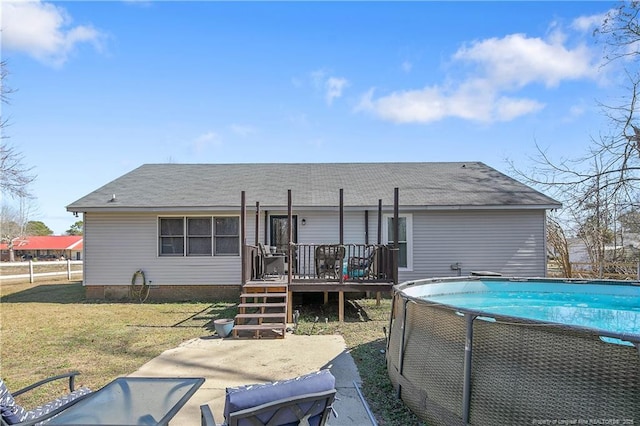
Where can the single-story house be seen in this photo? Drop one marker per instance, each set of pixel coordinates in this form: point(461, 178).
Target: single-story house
point(50, 247)
point(197, 229)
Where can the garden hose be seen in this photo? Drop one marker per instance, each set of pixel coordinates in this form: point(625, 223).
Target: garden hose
point(140, 292)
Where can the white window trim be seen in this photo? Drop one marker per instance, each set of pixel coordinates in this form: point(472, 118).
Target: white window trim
point(385, 232)
point(213, 236)
point(185, 236)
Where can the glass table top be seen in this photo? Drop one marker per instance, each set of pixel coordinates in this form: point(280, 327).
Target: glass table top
point(132, 401)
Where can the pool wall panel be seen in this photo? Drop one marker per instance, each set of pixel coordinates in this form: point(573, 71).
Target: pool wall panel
point(522, 371)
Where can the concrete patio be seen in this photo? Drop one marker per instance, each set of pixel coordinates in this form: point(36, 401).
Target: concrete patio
point(232, 362)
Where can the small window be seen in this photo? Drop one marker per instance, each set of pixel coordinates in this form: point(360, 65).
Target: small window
point(199, 236)
point(171, 236)
point(227, 236)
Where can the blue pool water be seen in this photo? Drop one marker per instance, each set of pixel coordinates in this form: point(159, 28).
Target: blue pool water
point(602, 309)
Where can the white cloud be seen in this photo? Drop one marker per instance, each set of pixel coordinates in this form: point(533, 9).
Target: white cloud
point(334, 87)
point(331, 86)
point(43, 31)
point(575, 111)
point(588, 23)
point(204, 141)
point(517, 60)
point(497, 69)
point(433, 104)
point(318, 77)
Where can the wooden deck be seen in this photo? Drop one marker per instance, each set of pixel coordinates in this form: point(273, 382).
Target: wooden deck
point(304, 285)
point(326, 287)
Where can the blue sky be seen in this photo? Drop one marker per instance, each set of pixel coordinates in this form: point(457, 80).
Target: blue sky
point(104, 87)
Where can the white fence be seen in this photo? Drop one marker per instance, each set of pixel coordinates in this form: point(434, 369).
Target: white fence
point(35, 269)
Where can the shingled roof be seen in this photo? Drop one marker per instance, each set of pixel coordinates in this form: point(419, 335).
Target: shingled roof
point(165, 187)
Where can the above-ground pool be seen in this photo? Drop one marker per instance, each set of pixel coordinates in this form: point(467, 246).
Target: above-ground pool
point(501, 351)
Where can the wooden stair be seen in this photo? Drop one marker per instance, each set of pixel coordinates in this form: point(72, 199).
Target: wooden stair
point(262, 311)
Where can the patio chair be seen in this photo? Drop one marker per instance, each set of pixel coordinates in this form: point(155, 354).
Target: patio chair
point(271, 263)
point(362, 267)
point(304, 401)
point(14, 414)
point(328, 260)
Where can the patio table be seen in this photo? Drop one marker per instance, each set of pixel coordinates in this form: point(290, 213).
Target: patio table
point(132, 401)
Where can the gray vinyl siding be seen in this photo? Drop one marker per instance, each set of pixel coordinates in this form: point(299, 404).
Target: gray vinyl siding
point(324, 227)
point(508, 242)
point(117, 245)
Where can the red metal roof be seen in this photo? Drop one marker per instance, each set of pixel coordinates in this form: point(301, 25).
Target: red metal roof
point(51, 242)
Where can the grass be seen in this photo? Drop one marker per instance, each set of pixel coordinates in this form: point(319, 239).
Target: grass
point(49, 328)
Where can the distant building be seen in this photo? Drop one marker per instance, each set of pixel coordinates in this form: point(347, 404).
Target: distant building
point(45, 248)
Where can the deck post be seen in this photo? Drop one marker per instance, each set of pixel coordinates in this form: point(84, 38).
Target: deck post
point(341, 306)
point(266, 227)
point(243, 233)
point(257, 223)
point(366, 227)
point(396, 232)
point(380, 231)
point(379, 221)
point(340, 274)
point(289, 236)
point(341, 216)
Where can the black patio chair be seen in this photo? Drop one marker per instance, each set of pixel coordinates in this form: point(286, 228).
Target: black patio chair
point(271, 264)
point(362, 267)
point(328, 259)
point(14, 414)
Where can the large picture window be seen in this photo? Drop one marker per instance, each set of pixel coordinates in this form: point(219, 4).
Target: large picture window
point(199, 236)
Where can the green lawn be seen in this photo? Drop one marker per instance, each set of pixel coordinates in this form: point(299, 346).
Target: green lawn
point(49, 328)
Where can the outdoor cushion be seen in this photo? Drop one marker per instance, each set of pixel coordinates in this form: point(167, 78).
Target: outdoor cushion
point(249, 396)
point(54, 404)
point(13, 413)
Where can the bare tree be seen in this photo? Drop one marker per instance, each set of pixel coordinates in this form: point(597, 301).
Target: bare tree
point(603, 183)
point(15, 176)
point(558, 246)
point(12, 226)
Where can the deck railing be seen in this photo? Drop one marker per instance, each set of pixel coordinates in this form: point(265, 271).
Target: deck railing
point(327, 263)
